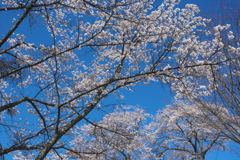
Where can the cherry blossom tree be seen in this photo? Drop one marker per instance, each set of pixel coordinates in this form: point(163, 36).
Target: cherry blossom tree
point(91, 49)
point(219, 117)
point(226, 95)
point(182, 135)
point(173, 133)
point(225, 12)
point(120, 135)
point(225, 99)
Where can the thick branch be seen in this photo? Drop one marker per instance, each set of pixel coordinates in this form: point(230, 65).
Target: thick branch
point(28, 9)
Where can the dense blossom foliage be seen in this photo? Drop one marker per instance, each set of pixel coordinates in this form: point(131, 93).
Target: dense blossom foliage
point(91, 49)
point(120, 135)
point(129, 133)
point(182, 135)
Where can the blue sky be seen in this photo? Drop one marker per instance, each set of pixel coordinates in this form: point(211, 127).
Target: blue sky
point(154, 96)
